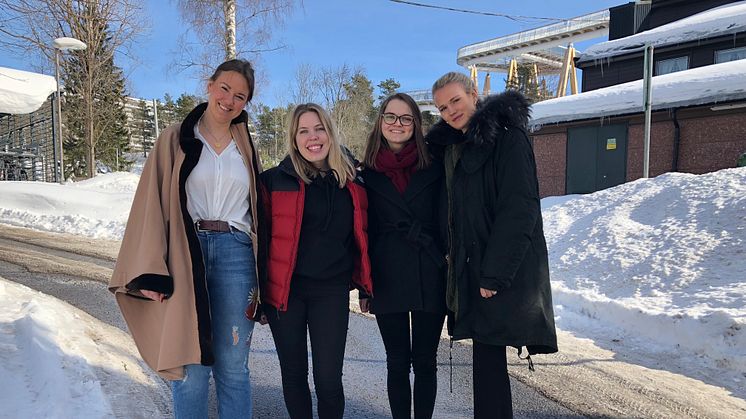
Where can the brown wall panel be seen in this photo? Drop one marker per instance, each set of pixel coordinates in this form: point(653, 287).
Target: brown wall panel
point(551, 160)
point(661, 149)
point(711, 143)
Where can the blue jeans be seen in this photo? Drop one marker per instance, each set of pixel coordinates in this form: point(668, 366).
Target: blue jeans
point(231, 276)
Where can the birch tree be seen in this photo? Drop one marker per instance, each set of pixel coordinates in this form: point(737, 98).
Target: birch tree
point(226, 29)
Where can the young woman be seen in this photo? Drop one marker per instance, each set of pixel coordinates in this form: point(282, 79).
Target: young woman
point(318, 249)
point(186, 268)
point(498, 273)
point(404, 185)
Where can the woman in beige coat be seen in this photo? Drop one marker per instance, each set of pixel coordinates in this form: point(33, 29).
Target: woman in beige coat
point(187, 266)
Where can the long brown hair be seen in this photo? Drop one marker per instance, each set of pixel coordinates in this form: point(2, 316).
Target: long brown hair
point(338, 160)
point(376, 138)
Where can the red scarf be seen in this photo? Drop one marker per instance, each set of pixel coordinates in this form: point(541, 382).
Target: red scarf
point(398, 166)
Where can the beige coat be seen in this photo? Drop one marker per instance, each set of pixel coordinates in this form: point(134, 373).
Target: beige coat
point(160, 245)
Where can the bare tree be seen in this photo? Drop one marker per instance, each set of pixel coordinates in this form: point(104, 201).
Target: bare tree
point(345, 92)
point(28, 27)
point(220, 24)
point(330, 82)
point(303, 86)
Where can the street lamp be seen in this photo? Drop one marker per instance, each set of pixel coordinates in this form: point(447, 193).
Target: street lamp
point(63, 44)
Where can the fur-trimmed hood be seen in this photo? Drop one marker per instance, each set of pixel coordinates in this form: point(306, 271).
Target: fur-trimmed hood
point(494, 114)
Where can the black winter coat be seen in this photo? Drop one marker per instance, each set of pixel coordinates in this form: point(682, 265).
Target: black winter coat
point(495, 230)
point(407, 259)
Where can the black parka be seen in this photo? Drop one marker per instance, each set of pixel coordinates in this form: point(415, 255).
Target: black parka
point(496, 237)
point(407, 259)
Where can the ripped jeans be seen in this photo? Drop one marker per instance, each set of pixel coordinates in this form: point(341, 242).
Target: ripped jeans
point(231, 276)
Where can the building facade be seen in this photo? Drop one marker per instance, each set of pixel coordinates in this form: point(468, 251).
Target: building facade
point(594, 140)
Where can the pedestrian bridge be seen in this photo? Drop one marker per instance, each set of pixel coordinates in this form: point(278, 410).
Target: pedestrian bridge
point(544, 45)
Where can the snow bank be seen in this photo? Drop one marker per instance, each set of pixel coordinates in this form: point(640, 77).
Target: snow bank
point(96, 207)
point(662, 258)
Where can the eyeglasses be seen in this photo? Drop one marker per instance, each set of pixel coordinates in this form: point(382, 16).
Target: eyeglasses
point(391, 118)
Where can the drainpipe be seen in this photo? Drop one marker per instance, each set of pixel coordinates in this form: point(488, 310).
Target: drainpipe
point(676, 141)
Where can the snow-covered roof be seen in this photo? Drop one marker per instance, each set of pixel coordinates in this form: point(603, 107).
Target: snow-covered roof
point(703, 85)
point(719, 21)
point(22, 91)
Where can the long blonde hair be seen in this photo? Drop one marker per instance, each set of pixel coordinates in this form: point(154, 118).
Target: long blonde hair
point(338, 159)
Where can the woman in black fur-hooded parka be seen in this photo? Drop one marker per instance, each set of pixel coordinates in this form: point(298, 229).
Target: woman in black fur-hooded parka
point(498, 292)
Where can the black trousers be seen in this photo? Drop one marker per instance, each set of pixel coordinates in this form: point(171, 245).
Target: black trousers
point(419, 351)
point(325, 316)
point(492, 397)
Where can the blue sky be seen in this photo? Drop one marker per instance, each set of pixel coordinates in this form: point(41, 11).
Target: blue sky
point(414, 45)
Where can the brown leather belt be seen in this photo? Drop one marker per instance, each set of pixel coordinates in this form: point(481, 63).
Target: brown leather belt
point(210, 225)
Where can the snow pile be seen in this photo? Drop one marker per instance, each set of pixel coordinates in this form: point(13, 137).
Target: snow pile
point(662, 259)
point(23, 92)
point(703, 85)
point(60, 362)
point(96, 207)
point(724, 20)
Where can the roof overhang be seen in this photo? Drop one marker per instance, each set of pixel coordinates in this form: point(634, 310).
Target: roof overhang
point(23, 92)
point(713, 84)
point(729, 19)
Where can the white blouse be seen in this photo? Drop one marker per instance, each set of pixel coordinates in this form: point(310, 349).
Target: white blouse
point(218, 187)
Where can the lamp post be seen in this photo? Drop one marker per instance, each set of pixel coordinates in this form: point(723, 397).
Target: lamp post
point(62, 44)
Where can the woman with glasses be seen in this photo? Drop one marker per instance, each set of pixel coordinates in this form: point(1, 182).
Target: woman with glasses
point(404, 184)
point(498, 271)
point(318, 250)
point(186, 269)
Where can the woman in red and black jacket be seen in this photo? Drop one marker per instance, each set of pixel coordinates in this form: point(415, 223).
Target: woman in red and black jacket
point(318, 249)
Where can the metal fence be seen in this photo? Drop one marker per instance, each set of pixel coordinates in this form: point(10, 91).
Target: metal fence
point(26, 146)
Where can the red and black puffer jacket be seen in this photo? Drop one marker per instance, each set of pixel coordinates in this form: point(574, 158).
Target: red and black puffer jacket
point(284, 194)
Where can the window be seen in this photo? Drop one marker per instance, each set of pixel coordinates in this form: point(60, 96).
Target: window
point(671, 65)
point(725, 55)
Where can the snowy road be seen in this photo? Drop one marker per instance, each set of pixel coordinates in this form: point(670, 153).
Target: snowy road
point(65, 271)
point(587, 379)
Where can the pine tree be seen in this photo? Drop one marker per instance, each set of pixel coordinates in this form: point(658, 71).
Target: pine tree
point(387, 88)
point(166, 112)
point(145, 127)
point(355, 113)
point(185, 104)
point(271, 133)
point(94, 94)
